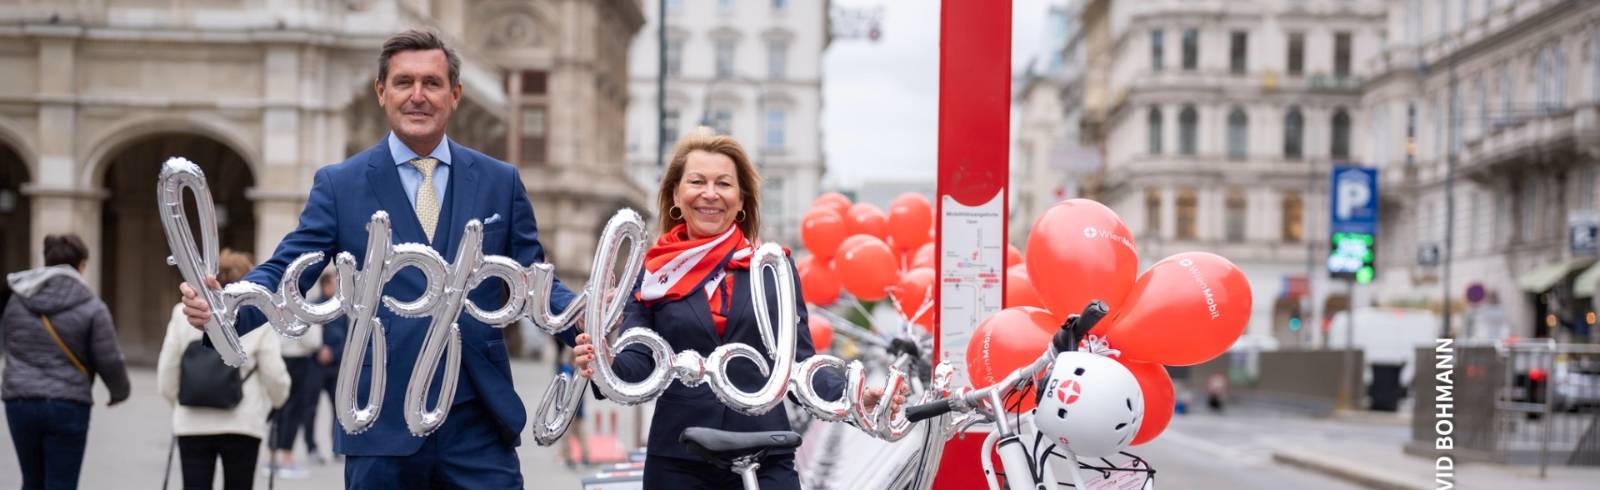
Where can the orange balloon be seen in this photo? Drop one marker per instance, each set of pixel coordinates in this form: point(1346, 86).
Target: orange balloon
point(1080, 251)
point(822, 230)
point(1158, 398)
point(867, 270)
point(822, 333)
point(868, 219)
point(819, 284)
point(1012, 338)
point(915, 288)
point(1013, 256)
point(1187, 309)
point(1019, 288)
point(910, 215)
point(835, 201)
point(923, 257)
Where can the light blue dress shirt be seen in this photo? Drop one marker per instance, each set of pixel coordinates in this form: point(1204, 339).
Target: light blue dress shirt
point(411, 178)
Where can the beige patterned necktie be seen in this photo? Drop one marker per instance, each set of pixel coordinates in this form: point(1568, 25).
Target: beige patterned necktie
point(427, 199)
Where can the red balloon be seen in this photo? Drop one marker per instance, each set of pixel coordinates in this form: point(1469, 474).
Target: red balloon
point(1013, 256)
point(819, 284)
point(851, 242)
point(923, 257)
point(1019, 288)
point(835, 201)
point(910, 216)
point(1080, 251)
point(822, 230)
point(915, 288)
point(822, 333)
point(867, 269)
point(868, 219)
point(1010, 339)
point(1158, 398)
point(1187, 309)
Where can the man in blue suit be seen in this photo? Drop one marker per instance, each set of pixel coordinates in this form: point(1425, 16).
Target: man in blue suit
point(431, 187)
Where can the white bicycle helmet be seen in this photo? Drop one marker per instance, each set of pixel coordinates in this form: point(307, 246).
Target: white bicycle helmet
point(1091, 404)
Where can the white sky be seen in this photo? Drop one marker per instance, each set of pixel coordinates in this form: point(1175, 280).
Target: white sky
point(880, 116)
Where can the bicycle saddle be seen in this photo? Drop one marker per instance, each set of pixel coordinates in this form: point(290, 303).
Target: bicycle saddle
point(718, 444)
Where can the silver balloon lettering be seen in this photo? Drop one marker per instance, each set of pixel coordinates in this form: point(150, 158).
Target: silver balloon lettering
point(599, 305)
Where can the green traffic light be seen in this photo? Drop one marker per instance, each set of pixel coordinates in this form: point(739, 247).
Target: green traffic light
point(1364, 275)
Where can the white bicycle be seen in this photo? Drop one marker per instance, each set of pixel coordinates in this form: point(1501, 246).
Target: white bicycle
point(1089, 408)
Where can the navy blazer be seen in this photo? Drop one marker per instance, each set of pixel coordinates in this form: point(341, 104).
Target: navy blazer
point(343, 198)
point(686, 324)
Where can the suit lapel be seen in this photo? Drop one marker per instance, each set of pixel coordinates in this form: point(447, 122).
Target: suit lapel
point(463, 178)
point(384, 181)
point(700, 305)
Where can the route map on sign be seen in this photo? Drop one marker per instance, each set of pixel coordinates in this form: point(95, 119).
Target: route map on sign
point(972, 260)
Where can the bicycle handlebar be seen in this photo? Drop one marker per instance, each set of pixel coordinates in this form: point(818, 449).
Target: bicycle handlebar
point(1065, 340)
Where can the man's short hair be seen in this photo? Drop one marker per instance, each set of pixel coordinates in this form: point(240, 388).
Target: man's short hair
point(417, 40)
point(65, 249)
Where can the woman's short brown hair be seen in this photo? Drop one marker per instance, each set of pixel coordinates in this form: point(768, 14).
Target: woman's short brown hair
point(705, 139)
point(232, 266)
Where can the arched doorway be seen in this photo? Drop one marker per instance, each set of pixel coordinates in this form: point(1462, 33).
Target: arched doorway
point(17, 240)
point(137, 284)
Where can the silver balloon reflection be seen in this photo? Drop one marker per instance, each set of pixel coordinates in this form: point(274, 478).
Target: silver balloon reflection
point(599, 306)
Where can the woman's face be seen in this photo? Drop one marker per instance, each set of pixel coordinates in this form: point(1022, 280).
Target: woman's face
point(708, 194)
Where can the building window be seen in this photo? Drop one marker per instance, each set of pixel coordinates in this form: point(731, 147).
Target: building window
point(1153, 131)
point(1413, 21)
point(1157, 49)
point(1594, 65)
point(1152, 211)
point(1188, 123)
point(777, 59)
point(1340, 147)
point(1293, 218)
point(533, 82)
point(1411, 131)
point(1239, 52)
point(1297, 54)
point(1505, 93)
point(532, 151)
point(674, 57)
point(1482, 118)
point(721, 120)
point(725, 49)
point(669, 126)
point(777, 124)
point(1586, 184)
point(1188, 210)
point(1191, 49)
point(1236, 217)
point(1238, 134)
point(780, 4)
point(1293, 134)
point(1341, 54)
point(1456, 121)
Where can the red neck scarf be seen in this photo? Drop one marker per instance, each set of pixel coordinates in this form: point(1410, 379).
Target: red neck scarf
point(677, 263)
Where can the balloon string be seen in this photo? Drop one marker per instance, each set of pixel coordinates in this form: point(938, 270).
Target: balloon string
point(865, 315)
point(1100, 346)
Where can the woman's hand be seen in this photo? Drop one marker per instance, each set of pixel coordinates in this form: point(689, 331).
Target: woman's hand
point(584, 356)
point(875, 394)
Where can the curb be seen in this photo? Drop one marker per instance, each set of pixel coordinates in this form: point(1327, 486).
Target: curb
point(1342, 469)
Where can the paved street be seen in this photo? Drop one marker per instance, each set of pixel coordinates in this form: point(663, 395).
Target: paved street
point(128, 443)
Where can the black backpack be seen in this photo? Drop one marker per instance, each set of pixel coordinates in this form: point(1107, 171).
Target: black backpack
point(204, 381)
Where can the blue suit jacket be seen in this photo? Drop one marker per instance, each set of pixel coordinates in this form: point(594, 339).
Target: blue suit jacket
point(343, 198)
point(686, 324)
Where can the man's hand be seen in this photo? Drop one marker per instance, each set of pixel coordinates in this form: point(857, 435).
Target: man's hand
point(325, 355)
point(195, 306)
point(875, 394)
point(583, 356)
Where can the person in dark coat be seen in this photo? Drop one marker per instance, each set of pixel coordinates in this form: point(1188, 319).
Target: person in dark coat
point(695, 293)
point(57, 337)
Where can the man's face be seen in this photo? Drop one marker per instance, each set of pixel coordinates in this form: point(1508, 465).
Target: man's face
point(417, 96)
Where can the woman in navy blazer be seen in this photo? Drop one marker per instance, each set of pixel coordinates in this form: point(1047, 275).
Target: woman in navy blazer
point(695, 293)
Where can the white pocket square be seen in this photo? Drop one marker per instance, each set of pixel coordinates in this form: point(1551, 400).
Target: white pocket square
point(492, 219)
